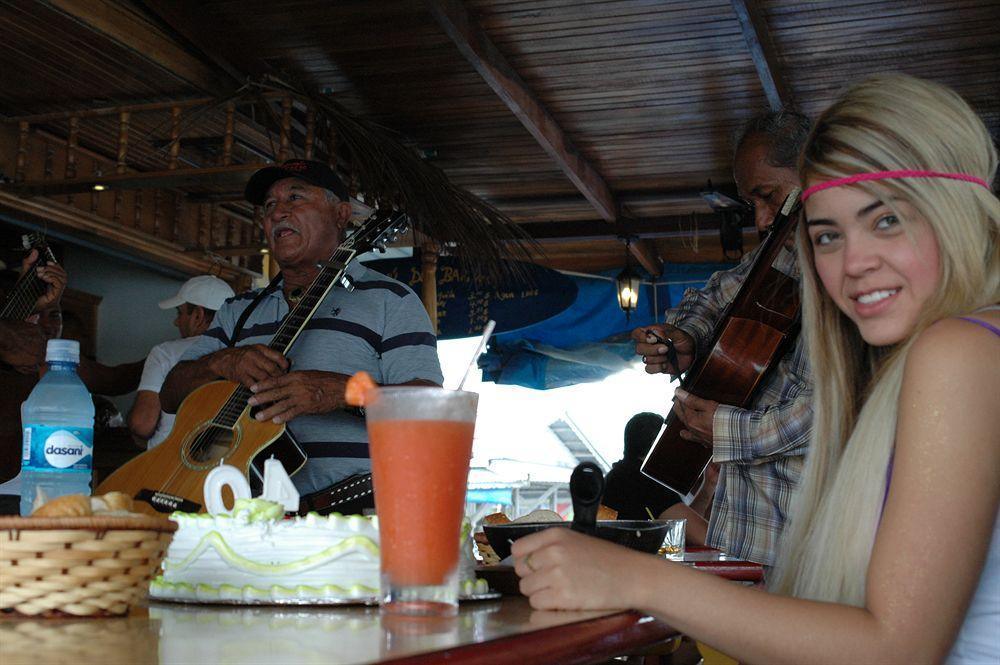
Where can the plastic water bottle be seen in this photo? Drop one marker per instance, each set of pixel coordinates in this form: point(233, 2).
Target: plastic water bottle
point(57, 422)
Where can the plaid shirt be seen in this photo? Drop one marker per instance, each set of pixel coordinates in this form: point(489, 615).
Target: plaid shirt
point(760, 449)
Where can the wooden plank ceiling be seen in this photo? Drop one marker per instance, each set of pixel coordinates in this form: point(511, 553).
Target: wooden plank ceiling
point(582, 120)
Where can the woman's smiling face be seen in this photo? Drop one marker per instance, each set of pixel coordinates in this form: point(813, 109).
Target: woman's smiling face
point(879, 269)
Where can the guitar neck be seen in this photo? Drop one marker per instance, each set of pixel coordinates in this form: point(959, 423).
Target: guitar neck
point(331, 273)
point(20, 302)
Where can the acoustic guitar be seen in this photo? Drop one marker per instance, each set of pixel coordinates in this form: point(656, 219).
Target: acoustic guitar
point(18, 305)
point(748, 340)
point(214, 424)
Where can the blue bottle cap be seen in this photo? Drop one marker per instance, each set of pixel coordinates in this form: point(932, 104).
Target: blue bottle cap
point(62, 351)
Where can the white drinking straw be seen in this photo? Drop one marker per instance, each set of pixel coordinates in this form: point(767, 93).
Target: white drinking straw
point(487, 331)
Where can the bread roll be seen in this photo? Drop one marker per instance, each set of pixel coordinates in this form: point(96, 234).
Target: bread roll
point(118, 501)
point(70, 505)
point(539, 515)
point(496, 518)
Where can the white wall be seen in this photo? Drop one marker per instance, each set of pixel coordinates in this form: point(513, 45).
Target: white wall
point(129, 321)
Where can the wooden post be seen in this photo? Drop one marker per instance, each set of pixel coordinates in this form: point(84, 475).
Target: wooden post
point(137, 202)
point(117, 216)
point(178, 216)
point(123, 119)
point(157, 215)
point(286, 127)
point(200, 234)
point(22, 151)
point(428, 273)
point(72, 138)
point(175, 137)
point(50, 154)
point(310, 132)
point(227, 142)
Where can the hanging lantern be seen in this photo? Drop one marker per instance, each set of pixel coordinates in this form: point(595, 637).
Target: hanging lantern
point(627, 283)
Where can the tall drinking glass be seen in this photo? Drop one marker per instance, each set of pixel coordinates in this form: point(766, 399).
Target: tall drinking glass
point(421, 443)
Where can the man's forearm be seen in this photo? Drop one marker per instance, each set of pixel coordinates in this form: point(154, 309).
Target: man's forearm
point(182, 380)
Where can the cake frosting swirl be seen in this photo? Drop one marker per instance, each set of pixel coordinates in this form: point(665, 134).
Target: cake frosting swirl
point(253, 555)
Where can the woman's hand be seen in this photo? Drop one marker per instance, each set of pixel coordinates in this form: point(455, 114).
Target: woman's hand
point(565, 570)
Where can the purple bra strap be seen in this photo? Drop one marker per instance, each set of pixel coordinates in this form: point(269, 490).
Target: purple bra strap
point(888, 481)
point(986, 324)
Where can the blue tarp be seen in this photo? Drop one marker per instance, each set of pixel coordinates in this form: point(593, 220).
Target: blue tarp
point(590, 339)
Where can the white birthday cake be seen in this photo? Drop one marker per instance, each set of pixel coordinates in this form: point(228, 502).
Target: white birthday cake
point(252, 555)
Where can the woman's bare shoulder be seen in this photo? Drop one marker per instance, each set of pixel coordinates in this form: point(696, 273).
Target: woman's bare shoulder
point(959, 340)
point(954, 367)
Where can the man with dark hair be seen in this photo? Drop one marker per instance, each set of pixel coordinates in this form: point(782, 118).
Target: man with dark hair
point(759, 449)
point(632, 494)
point(196, 304)
point(379, 326)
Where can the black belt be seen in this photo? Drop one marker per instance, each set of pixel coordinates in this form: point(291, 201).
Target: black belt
point(351, 496)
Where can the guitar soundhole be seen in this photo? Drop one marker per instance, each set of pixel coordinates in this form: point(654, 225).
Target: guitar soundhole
point(208, 444)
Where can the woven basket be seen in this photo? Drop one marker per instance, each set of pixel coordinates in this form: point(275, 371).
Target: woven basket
point(78, 566)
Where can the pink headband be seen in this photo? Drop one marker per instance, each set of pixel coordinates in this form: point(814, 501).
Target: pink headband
point(882, 175)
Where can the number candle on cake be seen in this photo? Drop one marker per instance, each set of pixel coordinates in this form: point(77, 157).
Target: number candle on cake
point(222, 476)
point(278, 487)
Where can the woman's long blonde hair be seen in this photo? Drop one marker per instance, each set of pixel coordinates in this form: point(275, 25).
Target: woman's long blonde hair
point(887, 122)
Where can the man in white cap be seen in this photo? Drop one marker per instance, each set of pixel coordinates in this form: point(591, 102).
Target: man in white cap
point(196, 303)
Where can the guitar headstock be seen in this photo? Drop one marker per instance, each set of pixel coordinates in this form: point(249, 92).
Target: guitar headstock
point(36, 240)
point(378, 231)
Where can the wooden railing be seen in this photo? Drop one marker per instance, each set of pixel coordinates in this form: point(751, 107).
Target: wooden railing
point(127, 178)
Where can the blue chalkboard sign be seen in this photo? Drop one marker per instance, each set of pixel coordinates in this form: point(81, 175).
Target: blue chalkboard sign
point(464, 306)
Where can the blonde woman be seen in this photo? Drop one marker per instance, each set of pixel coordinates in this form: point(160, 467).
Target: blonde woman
point(893, 550)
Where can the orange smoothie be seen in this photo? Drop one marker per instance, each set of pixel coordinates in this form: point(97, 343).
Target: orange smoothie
point(420, 469)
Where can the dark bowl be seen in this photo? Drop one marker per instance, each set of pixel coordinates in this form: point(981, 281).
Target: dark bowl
point(643, 535)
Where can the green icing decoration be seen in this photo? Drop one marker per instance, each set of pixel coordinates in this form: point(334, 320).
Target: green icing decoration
point(259, 510)
point(216, 541)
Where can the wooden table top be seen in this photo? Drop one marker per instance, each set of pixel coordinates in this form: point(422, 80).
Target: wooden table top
point(506, 630)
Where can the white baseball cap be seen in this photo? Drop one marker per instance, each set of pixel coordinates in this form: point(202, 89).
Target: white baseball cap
point(204, 290)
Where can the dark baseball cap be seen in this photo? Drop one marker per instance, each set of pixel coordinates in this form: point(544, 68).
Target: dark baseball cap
point(315, 173)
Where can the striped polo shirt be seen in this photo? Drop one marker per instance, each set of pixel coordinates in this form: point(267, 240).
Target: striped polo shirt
point(380, 327)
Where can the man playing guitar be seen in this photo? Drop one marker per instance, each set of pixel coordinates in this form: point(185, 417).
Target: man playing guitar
point(378, 325)
point(759, 449)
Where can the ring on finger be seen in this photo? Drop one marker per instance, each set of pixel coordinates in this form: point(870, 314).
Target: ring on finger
point(527, 562)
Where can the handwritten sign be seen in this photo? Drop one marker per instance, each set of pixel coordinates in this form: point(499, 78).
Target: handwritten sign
point(464, 305)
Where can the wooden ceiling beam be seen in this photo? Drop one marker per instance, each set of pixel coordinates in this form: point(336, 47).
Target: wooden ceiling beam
point(137, 33)
point(233, 176)
point(491, 65)
point(645, 253)
point(763, 54)
point(192, 27)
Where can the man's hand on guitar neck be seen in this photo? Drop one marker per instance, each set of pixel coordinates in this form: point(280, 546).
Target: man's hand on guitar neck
point(52, 274)
point(247, 365)
point(650, 343)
